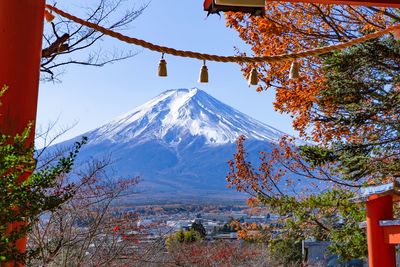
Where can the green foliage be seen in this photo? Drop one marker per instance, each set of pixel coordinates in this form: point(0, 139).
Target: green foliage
point(285, 252)
point(198, 227)
point(227, 228)
point(317, 156)
point(328, 216)
point(192, 236)
point(362, 102)
point(25, 194)
point(183, 236)
point(349, 241)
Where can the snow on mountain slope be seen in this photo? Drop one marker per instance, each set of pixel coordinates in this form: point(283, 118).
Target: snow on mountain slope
point(175, 114)
point(179, 144)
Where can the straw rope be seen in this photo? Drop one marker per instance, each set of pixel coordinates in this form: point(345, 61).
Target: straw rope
point(218, 58)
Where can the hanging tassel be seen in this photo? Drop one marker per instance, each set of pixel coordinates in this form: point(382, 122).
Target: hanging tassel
point(203, 77)
point(162, 67)
point(253, 78)
point(48, 16)
point(294, 70)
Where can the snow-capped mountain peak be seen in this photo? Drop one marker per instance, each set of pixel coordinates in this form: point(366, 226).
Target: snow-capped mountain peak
point(178, 143)
point(181, 113)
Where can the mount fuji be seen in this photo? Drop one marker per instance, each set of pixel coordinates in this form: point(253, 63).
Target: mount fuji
point(179, 144)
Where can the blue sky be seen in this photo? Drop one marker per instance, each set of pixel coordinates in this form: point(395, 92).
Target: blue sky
point(93, 96)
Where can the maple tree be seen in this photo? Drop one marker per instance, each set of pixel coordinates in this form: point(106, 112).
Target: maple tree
point(311, 201)
point(346, 103)
point(293, 27)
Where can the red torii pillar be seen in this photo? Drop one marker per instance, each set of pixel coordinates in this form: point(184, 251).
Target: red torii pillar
point(383, 232)
point(21, 30)
point(380, 252)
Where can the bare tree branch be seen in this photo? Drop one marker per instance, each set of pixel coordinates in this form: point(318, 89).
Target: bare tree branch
point(65, 39)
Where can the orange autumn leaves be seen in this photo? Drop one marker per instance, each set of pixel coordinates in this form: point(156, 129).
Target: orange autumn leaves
point(291, 27)
point(278, 173)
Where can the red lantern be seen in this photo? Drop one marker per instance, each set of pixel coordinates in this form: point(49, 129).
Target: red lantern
point(255, 7)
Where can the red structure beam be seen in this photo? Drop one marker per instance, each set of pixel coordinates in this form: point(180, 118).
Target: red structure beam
point(377, 3)
point(392, 234)
point(21, 30)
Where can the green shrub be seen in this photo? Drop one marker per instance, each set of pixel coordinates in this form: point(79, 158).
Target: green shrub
point(285, 252)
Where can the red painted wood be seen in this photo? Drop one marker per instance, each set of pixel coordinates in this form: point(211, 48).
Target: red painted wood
point(21, 29)
point(392, 234)
point(380, 253)
point(378, 3)
point(207, 4)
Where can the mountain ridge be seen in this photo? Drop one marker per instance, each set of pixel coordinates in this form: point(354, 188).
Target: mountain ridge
point(178, 143)
point(185, 111)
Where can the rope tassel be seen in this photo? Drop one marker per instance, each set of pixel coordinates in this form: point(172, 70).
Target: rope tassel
point(294, 70)
point(48, 16)
point(203, 77)
point(162, 67)
point(253, 78)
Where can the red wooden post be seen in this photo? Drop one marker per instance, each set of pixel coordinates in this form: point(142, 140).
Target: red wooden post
point(380, 253)
point(21, 29)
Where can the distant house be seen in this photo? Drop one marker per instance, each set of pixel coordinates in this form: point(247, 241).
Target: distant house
point(229, 236)
point(317, 253)
point(181, 224)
